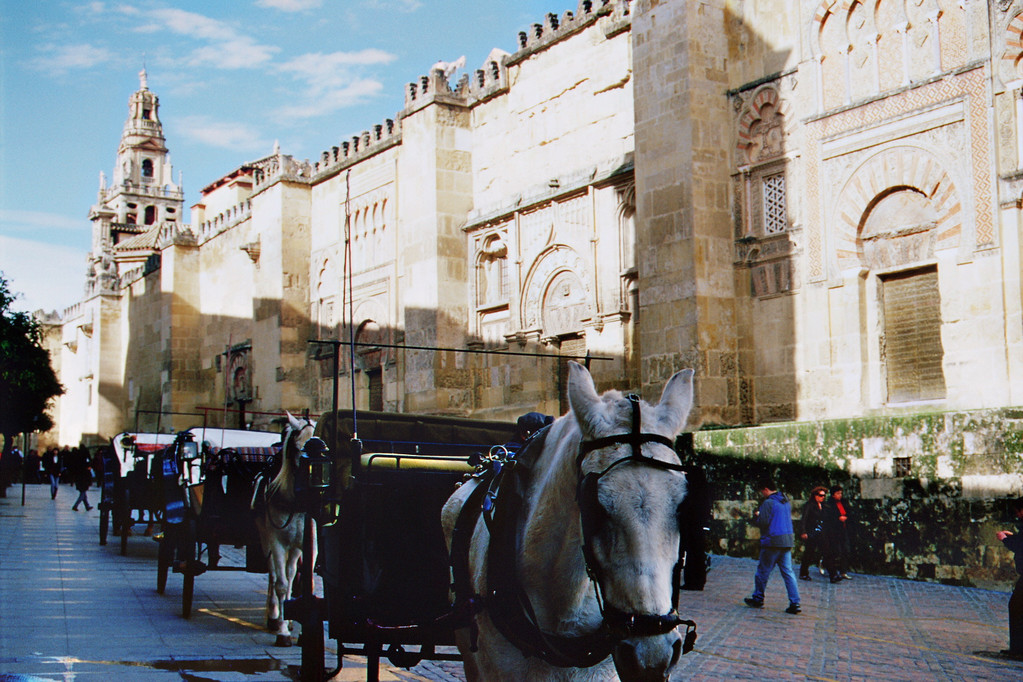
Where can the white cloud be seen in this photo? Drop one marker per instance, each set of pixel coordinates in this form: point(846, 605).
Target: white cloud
point(330, 82)
point(48, 276)
point(330, 101)
point(400, 5)
point(334, 67)
point(290, 5)
point(223, 134)
point(226, 48)
point(63, 58)
point(16, 221)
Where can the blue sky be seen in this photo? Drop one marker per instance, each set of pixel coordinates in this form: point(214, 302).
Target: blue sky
point(232, 77)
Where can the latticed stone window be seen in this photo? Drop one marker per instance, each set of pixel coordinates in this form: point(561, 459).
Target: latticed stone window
point(775, 213)
point(902, 466)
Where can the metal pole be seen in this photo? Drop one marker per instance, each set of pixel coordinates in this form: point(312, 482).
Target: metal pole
point(312, 624)
point(334, 405)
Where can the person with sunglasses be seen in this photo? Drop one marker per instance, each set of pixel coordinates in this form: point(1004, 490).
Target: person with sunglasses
point(812, 532)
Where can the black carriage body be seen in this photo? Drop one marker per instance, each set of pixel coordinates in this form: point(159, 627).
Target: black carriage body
point(207, 477)
point(127, 485)
point(205, 490)
point(384, 563)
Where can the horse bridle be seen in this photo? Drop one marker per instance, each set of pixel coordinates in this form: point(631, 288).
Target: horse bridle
point(286, 437)
point(622, 624)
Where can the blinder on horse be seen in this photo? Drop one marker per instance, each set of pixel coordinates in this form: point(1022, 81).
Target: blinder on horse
point(619, 623)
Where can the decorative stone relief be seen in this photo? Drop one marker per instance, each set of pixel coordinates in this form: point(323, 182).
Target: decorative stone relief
point(547, 271)
point(565, 304)
point(238, 383)
point(898, 205)
point(492, 270)
point(536, 230)
point(762, 127)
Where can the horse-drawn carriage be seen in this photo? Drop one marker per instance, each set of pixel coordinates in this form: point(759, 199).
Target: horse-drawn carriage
point(383, 563)
point(568, 555)
point(205, 479)
point(127, 484)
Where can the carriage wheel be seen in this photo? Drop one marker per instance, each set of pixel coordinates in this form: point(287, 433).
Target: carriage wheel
point(104, 524)
point(165, 556)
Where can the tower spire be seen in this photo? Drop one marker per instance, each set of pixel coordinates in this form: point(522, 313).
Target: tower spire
point(141, 194)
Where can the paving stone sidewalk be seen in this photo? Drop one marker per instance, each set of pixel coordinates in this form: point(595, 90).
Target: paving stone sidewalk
point(75, 611)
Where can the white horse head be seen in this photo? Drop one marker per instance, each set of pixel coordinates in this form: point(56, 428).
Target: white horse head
point(296, 433)
point(630, 490)
point(607, 479)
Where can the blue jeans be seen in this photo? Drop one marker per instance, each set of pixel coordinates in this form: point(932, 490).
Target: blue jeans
point(769, 558)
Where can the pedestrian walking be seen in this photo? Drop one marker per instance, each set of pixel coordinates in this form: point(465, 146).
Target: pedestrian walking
point(53, 465)
point(1014, 542)
point(81, 475)
point(812, 531)
point(33, 467)
point(774, 518)
point(836, 532)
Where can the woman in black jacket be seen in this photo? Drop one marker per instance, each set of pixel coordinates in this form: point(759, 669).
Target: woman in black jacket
point(812, 531)
point(82, 476)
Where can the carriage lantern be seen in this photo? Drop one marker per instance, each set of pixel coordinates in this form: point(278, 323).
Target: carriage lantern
point(188, 455)
point(314, 471)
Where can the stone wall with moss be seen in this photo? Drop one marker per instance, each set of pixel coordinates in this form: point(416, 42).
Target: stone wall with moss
point(928, 491)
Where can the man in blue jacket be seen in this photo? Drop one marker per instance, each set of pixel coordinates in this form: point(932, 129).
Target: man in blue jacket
point(1014, 542)
point(774, 518)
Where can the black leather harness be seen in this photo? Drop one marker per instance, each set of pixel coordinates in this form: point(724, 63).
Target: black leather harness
point(498, 496)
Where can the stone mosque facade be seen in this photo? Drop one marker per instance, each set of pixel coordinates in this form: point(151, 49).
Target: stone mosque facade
point(818, 205)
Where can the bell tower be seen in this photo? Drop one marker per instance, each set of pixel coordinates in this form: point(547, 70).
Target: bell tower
point(142, 195)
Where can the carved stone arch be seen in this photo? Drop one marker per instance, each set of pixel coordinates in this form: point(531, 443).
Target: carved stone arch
point(762, 126)
point(371, 329)
point(1012, 57)
point(325, 302)
point(557, 287)
point(874, 185)
point(326, 276)
point(626, 200)
point(491, 269)
point(824, 9)
point(830, 35)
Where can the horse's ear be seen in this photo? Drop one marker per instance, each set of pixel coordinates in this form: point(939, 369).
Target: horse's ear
point(677, 400)
point(295, 424)
point(582, 395)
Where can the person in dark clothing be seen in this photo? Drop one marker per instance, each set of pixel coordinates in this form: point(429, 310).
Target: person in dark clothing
point(33, 463)
point(1014, 542)
point(527, 424)
point(812, 531)
point(836, 532)
point(694, 523)
point(81, 476)
point(774, 518)
point(53, 465)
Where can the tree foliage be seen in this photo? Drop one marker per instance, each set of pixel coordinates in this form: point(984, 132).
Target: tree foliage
point(27, 380)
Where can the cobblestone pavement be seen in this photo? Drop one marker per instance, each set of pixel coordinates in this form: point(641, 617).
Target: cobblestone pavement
point(75, 611)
